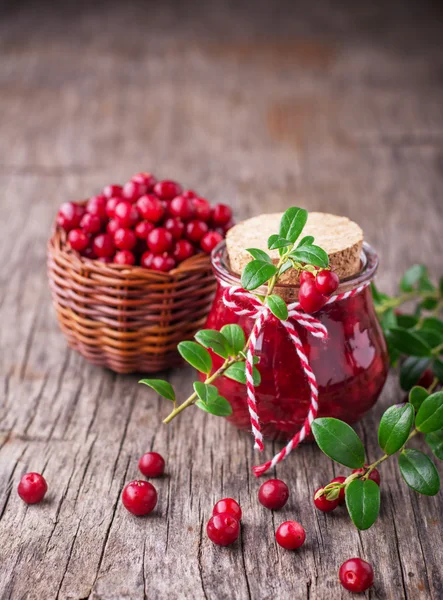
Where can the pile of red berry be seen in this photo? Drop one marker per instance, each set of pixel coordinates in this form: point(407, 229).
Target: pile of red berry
point(315, 289)
point(154, 224)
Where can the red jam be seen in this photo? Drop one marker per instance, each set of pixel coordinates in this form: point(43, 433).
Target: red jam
point(350, 366)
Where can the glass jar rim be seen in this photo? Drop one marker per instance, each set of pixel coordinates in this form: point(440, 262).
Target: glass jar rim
point(368, 257)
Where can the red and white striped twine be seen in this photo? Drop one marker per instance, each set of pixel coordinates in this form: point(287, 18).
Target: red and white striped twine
point(234, 298)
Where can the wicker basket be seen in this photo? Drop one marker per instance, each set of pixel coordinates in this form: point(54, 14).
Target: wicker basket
point(127, 318)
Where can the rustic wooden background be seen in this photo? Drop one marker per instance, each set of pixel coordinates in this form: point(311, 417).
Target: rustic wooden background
point(334, 106)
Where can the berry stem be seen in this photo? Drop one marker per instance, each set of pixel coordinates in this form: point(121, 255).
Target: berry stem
point(406, 297)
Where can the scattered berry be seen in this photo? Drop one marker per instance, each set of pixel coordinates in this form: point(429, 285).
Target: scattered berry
point(112, 190)
point(223, 529)
point(78, 240)
point(374, 474)
point(229, 506)
point(325, 505)
point(124, 257)
point(311, 300)
point(166, 190)
point(160, 240)
point(91, 223)
point(162, 262)
point(221, 214)
point(143, 228)
point(125, 239)
point(341, 494)
point(139, 497)
point(132, 190)
point(151, 464)
point(356, 575)
point(210, 240)
point(183, 250)
point(175, 226)
point(182, 207)
point(195, 230)
point(326, 282)
point(290, 535)
point(103, 245)
point(32, 488)
point(150, 208)
point(273, 494)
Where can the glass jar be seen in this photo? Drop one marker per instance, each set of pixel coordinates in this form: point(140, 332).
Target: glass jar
point(350, 366)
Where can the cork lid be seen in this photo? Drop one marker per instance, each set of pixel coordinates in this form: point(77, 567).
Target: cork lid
point(340, 237)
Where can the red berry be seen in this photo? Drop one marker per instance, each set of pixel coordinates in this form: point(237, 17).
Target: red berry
point(124, 257)
point(374, 475)
point(106, 259)
point(146, 260)
point(341, 494)
point(69, 215)
point(311, 300)
point(32, 488)
point(426, 379)
point(110, 206)
point(356, 575)
point(166, 190)
point(125, 239)
point(90, 223)
point(146, 178)
point(175, 226)
point(143, 228)
point(221, 214)
point(103, 245)
point(162, 262)
point(112, 190)
point(327, 282)
point(223, 529)
point(126, 214)
point(183, 250)
point(97, 206)
point(323, 504)
point(189, 194)
point(139, 497)
point(305, 275)
point(195, 230)
point(273, 494)
point(182, 207)
point(132, 190)
point(151, 208)
point(112, 226)
point(202, 208)
point(227, 227)
point(160, 240)
point(210, 240)
point(151, 464)
point(229, 506)
point(78, 240)
point(290, 535)
point(89, 253)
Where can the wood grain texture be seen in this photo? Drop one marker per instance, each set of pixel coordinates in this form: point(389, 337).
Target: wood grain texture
point(336, 107)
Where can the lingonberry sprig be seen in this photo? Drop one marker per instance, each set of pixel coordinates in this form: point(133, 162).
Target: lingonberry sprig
point(317, 283)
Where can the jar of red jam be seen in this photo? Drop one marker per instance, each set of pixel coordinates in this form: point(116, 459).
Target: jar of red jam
point(350, 366)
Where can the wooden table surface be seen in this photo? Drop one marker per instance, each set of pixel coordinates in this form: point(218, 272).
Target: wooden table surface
point(332, 106)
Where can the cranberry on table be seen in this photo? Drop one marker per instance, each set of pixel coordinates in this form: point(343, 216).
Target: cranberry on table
point(356, 575)
point(146, 178)
point(125, 239)
point(126, 213)
point(290, 535)
point(273, 494)
point(78, 240)
point(229, 506)
point(32, 488)
point(69, 215)
point(195, 230)
point(221, 214)
point(146, 259)
point(103, 245)
point(311, 300)
point(132, 190)
point(305, 276)
point(150, 208)
point(112, 190)
point(124, 257)
point(202, 208)
point(223, 529)
point(160, 240)
point(91, 223)
point(326, 282)
point(139, 497)
point(175, 226)
point(97, 206)
point(183, 250)
point(151, 464)
point(162, 262)
point(110, 206)
point(143, 228)
point(182, 207)
point(210, 240)
point(374, 475)
point(166, 190)
point(341, 494)
point(325, 505)
point(112, 226)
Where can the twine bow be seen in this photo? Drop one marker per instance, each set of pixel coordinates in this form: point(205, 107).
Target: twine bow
point(244, 303)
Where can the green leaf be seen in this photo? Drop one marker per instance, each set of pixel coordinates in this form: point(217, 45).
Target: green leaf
point(213, 339)
point(412, 277)
point(308, 240)
point(407, 342)
point(433, 324)
point(237, 372)
point(196, 356)
point(430, 337)
point(435, 442)
point(430, 414)
point(285, 267)
point(411, 371)
point(437, 367)
point(210, 401)
point(377, 296)
point(363, 502)
point(292, 223)
point(235, 338)
point(259, 254)
point(163, 388)
point(406, 321)
point(256, 273)
point(419, 472)
point(275, 241)
point(311, 255)
point(278, 307)
point(394, 427)
point(388, 319)
point(339, 441)
point(205, 391)
point(417, 396)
